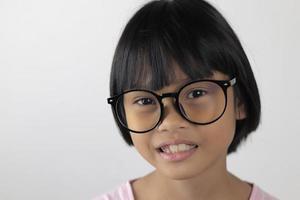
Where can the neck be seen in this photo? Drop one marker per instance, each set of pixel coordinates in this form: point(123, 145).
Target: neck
point(203, 186)
point(214, 183)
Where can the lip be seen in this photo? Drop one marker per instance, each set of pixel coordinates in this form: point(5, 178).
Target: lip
point(179, 156)
point(176, 142)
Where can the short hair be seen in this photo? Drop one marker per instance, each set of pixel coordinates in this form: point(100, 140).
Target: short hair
point(194, 35)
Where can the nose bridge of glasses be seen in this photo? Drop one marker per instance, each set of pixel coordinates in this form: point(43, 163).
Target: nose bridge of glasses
point(166, 95)
point(171, 117)
point(169, 95)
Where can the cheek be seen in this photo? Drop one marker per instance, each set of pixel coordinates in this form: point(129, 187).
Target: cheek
point(142, 143)
point(139, 142)
point(220, 134)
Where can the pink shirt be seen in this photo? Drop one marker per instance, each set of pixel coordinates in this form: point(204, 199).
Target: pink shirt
point(124, 192)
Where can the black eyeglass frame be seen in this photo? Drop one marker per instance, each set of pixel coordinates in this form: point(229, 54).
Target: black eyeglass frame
point(224, 84)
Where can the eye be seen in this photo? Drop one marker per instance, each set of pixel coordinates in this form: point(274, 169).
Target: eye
point(196, 93)
point(145, 101)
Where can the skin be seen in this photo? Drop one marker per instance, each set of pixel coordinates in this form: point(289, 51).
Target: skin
point(203, 175)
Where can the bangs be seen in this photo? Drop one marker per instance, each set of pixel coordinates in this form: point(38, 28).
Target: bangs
point(156, 61)
point(157, 40)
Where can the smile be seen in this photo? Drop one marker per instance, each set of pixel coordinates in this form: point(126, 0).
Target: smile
point(177, 152)
point(177, 148)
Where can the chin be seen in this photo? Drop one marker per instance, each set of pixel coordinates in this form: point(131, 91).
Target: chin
point(180, 173)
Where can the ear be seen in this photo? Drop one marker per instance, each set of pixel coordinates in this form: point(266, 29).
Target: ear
point(240, 111)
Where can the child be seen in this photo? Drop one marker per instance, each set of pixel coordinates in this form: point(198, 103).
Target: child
point(184, 95)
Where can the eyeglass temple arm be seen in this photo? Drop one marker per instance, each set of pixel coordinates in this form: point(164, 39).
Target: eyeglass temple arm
point(110, 100)
point(232, 81)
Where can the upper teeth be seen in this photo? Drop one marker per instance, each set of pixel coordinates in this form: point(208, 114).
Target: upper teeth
point(177, 148)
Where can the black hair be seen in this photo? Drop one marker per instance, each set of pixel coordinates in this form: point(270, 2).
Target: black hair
point(194, 35)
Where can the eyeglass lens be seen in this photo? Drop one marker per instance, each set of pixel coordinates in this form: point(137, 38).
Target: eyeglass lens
point(200, 102)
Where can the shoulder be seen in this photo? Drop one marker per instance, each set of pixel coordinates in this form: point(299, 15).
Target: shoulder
point(122, 192)
point(259, 194)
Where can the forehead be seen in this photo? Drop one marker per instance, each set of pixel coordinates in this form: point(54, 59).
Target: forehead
point(181, 77)
point(155, 73)
point(176, 77)
point(173, 76)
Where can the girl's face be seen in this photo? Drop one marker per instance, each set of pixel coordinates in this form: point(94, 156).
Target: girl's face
point(200, 147)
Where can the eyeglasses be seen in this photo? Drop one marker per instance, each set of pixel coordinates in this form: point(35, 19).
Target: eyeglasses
point(200, 102)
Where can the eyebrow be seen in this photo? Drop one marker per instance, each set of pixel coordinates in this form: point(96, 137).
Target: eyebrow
point(178, 84)
point(182, 81)
point(188, 79)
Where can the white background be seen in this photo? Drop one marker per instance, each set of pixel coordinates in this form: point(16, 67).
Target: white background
point(57, 136)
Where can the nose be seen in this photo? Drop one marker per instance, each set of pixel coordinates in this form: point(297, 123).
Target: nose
point(171, 120)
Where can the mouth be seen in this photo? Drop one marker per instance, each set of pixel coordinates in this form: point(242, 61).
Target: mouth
point(176, 148)
point(176, 151)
